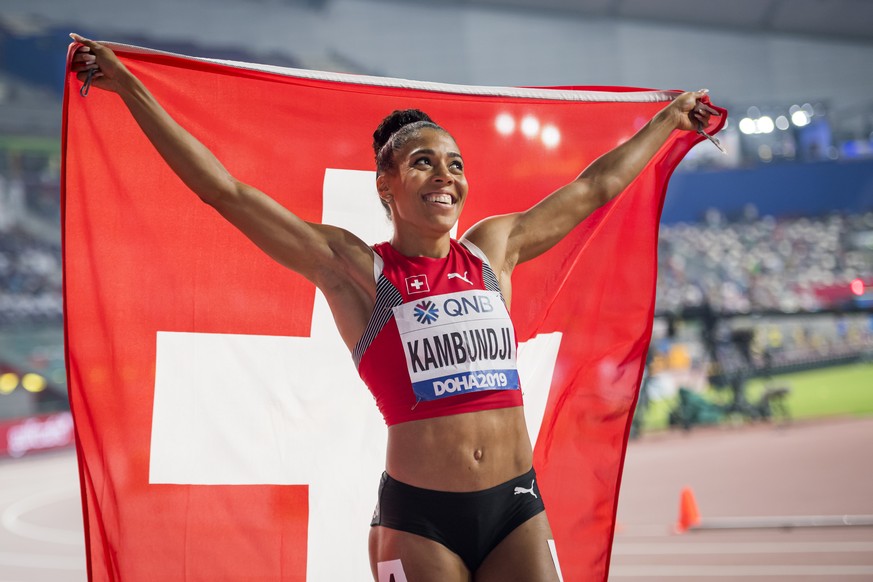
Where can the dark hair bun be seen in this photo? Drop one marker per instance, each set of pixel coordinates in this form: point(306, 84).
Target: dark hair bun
point(394, 121)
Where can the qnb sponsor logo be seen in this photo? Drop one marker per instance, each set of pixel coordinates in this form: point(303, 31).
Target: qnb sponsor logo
point(426, 312)
point(461, 347)
point(463, 307)
point(470, 382)
point(467, 305)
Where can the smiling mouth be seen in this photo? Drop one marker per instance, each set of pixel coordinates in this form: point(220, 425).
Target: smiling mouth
point(443, 199)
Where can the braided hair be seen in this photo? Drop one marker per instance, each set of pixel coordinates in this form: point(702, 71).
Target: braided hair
point(395, 131)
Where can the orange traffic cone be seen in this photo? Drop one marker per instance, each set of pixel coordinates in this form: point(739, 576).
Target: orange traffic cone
point(689, 516)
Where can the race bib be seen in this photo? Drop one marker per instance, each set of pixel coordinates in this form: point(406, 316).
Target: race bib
point(458, 343)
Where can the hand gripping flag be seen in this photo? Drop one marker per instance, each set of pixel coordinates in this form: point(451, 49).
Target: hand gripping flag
point(223, 433)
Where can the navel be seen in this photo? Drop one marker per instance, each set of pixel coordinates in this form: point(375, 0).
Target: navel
point(477, 454)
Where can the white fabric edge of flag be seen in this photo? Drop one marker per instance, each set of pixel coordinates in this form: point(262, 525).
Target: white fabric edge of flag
point(481, 90)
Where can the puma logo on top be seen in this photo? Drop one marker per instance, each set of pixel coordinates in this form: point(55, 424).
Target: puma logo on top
point(461, 277)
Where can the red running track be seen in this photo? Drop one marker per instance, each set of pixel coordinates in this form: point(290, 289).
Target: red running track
point(813, 468)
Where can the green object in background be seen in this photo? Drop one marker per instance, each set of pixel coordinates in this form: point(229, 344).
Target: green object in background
point(837, 391)
point(693, 409)
point(833, 391)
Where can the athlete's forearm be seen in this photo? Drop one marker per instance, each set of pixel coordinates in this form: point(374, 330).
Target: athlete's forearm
point(611, 173)
point(538, 229)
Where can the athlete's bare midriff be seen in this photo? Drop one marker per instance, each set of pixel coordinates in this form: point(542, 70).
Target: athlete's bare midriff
point(463, 452)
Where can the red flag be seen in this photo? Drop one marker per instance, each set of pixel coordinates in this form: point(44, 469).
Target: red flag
point(222, 430)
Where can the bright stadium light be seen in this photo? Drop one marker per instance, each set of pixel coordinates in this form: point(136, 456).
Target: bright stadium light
point(8, 382)
point(782, 123)
point(551, 136)
point(747, 125)
point(764, 124)
point(33, 382)
point(857, 286)
point(505, 124)
point(800, 118)
point(530, 126)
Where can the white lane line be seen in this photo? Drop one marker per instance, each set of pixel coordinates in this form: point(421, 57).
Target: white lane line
point(667, 549)
point(783, 522)
point(42, 561)
point(643, 531)
point(660, 571)
point(11, 518)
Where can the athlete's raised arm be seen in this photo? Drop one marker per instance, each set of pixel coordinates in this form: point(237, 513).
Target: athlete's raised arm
point(328, 256)
point(514, 238)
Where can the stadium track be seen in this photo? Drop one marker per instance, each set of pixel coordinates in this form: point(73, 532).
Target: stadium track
point(811, 468)
point(814, 468)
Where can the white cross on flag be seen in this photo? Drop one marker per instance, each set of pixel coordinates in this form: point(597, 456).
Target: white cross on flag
point(223, 433)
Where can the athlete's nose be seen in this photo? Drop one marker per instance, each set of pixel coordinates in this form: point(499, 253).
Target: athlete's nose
point(442, 173)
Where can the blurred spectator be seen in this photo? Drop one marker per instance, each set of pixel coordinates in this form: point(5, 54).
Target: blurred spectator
point(12, 201)
point(30, 278)
point(786, 265)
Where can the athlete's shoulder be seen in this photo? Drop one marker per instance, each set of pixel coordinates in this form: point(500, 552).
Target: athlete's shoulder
point(470, 249)
point(381, 248)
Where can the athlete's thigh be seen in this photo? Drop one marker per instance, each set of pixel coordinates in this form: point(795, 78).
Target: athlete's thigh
point(422, 559)
point(522, 556)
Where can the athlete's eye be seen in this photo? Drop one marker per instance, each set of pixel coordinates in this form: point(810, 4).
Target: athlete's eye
point(458, 165)
point(422, 161)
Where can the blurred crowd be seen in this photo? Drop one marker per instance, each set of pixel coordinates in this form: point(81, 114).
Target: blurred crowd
point(30, 279)
point(751, 265)
point(30, 252)
point(763, 264)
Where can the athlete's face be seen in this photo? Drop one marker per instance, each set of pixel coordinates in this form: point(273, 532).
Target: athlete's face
point(427, 182)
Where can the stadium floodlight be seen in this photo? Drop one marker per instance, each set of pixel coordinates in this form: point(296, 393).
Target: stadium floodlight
point(800, 118)
point(747, 125)
point(530, 126)
point(33, 382)
point(764, 124)
point(505, 124)
point(8, 382)
point(551, 136)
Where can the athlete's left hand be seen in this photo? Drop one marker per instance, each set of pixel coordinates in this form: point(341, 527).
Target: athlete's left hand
point(691, 110)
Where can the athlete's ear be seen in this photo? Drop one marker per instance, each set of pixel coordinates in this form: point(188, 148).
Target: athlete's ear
point(382, 188)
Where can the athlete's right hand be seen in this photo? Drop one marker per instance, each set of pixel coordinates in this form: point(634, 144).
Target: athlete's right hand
point(108, 70)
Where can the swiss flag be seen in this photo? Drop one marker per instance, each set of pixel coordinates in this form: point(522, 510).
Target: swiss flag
point(417, 284)
point(223, 433)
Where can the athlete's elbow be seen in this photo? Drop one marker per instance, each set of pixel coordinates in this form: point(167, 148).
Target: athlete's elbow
point(607, 188)
point(596, 192)
point(219, 192)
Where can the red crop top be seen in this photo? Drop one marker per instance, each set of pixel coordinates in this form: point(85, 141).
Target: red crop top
point(439, 341)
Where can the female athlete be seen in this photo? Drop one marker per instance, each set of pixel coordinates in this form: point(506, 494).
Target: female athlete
point(459, 500)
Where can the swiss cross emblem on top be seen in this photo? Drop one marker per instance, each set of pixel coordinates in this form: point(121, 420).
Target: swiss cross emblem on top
point(417, 284)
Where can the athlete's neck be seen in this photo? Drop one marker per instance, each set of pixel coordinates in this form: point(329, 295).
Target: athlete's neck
point(421, 246)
